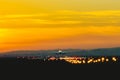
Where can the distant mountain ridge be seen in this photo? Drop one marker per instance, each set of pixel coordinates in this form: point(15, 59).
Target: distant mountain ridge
point(69, 52)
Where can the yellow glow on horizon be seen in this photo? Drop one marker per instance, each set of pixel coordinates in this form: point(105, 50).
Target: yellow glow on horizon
point(26, 25)
point(40, 38)
point(3, 33)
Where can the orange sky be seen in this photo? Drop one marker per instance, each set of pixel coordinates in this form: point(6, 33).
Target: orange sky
point(34, 25)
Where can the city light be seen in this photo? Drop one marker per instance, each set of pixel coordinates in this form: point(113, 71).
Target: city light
point(81, 60)
point(114, 58)
point(77, 60)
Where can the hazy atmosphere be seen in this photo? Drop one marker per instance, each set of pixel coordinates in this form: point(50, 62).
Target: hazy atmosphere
point(55, 24)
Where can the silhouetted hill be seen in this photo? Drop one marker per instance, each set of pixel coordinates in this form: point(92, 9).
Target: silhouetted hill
point(69, 52)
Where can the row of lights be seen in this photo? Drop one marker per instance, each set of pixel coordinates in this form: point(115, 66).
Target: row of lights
point(92, 60)
point(81, 60)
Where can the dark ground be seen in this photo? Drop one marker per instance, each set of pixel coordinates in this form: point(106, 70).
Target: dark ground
point(60, 69)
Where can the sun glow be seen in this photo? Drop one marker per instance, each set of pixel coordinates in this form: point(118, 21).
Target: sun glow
point(51, 24)
point(3, 33)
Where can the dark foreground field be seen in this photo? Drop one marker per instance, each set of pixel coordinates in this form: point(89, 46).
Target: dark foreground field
point(59, 69)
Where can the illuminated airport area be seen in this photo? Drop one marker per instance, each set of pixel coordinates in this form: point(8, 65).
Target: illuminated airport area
point(86, 60)
point(61, 56)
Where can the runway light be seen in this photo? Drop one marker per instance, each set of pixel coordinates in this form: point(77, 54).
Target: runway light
point(84, 61)
point(107, 60)
point(103, 59)
point(114, 59)
point(99, 60)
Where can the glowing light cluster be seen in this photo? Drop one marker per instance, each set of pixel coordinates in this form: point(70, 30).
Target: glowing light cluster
point(80, 60)
point(52, 58)
point(114, 58)
point(77, 60)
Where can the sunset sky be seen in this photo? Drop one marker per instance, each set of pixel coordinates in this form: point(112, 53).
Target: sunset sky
point(59, 24)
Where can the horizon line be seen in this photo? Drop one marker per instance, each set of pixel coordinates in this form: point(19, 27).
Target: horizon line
point(55, 49)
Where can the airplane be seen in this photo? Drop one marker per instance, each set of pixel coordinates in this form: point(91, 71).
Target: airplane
point(60, 52)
